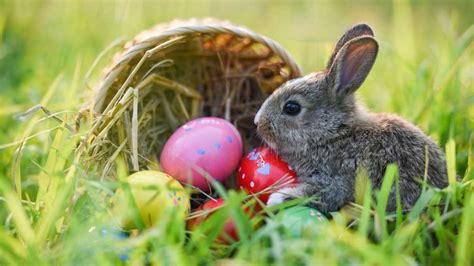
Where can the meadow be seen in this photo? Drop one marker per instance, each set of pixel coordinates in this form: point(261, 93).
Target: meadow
point(424, 72)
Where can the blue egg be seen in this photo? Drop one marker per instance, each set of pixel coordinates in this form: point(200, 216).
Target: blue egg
point(123, 254)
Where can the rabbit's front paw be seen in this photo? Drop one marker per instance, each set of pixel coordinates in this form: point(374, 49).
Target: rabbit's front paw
point(282, 195)
point(275, 199)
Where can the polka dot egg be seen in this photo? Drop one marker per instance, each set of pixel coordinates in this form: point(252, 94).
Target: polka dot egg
point(261, 169)
point(205, 147)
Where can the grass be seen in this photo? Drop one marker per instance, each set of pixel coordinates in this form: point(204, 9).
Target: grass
point(52, 212)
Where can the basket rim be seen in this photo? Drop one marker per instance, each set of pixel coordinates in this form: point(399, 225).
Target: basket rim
point(201, 26)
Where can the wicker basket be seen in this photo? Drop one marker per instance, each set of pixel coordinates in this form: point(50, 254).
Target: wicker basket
point(175, 72)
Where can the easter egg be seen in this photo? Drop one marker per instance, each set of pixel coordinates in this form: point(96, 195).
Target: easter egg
point(155, 194)
point(229, 232)
point(206, 210)
point(261, 169)
point(297, 219)
point(205, 147)
point(116, 236)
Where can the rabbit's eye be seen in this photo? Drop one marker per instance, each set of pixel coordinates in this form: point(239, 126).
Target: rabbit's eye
point(292, 108)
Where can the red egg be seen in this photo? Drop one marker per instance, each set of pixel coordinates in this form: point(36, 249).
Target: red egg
point(261, 169)
point(229, 232)
point(211, 205)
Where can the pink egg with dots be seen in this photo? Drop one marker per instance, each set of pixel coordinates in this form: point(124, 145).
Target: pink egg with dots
point(203, 147)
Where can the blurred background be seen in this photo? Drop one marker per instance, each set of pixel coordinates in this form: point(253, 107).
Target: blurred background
point(424, 71)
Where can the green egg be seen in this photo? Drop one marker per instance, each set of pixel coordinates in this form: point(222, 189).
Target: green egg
point(299, 219)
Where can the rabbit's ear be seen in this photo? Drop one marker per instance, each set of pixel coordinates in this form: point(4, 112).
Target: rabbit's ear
point(352, 64)
point(352, 33)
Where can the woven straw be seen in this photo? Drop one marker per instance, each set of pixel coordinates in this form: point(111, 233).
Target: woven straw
point(175, 72)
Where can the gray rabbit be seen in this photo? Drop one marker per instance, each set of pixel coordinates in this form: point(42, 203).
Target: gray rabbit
point(316, 124)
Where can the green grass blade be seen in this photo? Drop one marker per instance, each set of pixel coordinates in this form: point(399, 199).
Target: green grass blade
point(48, 180)
point(16, 168)
point(11, 245)
point(361, 182)
point(382, 200)
point(451, 161)
point(469, 175)
point(241, 221)
point(56, 210)
point(125, 186)
point(464, 247)
point(420, 205)
point(363, 228)
point(22, 222)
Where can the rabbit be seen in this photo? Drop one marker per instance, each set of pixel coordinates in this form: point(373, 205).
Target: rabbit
point(316, 124)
